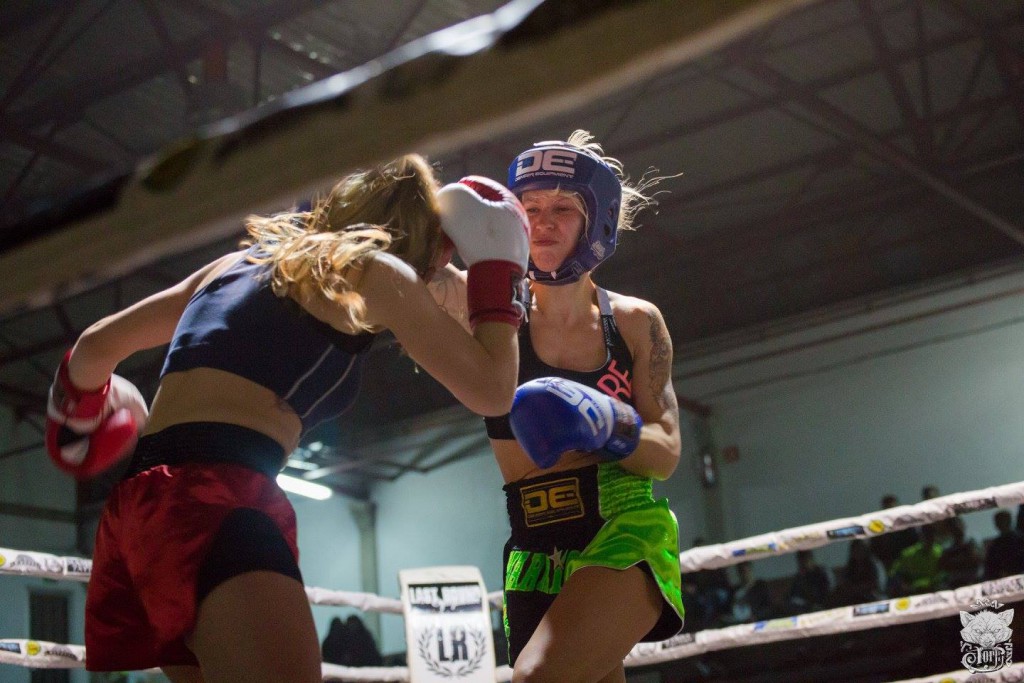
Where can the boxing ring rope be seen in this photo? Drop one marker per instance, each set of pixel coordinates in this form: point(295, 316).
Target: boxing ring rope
point(864, 526)
point(893, 611)
point(845, 619)
point(901, 610)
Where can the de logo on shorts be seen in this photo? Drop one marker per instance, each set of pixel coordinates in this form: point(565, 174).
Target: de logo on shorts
point(552, 501)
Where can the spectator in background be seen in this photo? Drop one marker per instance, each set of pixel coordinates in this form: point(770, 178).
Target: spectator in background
point(362, 647)
point(944, 527)
point(961, 559)
point(713, 591)
point(809, 590)
point(859, 583)
point(917, 568)
point(751, 600)
point(697, 619)
point(350, 643)
point(332, 651)
point(1005, 553)
point(887, 547)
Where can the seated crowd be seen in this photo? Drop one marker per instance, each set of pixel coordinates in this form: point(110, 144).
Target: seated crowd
point(930, 558)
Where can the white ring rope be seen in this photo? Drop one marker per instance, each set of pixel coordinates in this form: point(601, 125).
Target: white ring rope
point(43, 565)
point(39, 654)
point(367, 602)
point(864, 526)
point(336, 672)
point(29, 563)
point(902, 610)
point(1011, 674)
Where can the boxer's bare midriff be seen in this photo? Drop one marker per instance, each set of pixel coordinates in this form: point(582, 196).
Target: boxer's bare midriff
point(208, 395)
point(515, 464)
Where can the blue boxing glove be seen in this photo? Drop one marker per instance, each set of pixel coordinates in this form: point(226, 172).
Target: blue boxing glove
point(552, 415)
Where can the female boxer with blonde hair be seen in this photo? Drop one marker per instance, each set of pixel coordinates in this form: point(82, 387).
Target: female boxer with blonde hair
point(592, 564)
point(195, 568)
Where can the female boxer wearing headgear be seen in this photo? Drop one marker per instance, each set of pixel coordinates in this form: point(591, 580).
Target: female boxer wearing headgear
point(592, 565)
point(195, 567)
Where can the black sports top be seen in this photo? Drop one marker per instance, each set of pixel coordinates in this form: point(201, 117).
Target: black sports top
point(236, 323)
point(614, 378)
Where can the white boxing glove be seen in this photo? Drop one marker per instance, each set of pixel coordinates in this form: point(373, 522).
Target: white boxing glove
point(491, 232)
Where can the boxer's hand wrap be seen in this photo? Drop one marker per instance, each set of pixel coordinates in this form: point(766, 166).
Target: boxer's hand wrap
point(552, 415)
point(491, 232)
point(89, 431)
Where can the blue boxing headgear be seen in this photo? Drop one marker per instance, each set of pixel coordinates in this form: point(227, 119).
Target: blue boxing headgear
point(556, 165)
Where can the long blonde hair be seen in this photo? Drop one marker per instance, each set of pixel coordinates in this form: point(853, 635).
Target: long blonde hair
point(635, 196)
point(390, 208)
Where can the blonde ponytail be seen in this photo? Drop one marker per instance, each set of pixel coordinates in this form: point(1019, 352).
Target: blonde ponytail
point(390, 208)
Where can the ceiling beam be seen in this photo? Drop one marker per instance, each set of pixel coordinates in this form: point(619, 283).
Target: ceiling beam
point(471, 447)
point(260, 39)
point(355, 492)
point(18, 450)
point(23, 396)
point(868, 142)
point(699, 248)
point(34, 65)
point(921, 135)
point(840, 154)
point(176, 61)
point(34, 512)
point(21, 353)
point(70, 105)
point(21, 136)
point(1009, 58)
point(758, 104)
point(927, 115)
point(402, 28)
point(24, 16)
point(958, 112)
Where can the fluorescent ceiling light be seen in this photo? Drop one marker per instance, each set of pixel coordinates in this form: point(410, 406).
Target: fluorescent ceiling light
point(302, 464)
point(303, 488)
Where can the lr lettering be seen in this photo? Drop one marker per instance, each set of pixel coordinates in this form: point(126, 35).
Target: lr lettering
point(616, 383)
point(458, 652)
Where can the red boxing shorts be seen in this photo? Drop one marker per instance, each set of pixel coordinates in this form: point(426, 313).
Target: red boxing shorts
point(168, 536)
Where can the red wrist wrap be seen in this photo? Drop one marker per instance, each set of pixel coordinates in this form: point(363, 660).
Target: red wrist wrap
point(491, 293)
point(75, 402)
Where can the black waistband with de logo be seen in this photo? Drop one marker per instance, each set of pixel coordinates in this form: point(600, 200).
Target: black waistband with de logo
point(553, 506)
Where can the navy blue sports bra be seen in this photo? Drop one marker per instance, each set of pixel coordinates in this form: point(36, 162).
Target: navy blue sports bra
point(613, 378)
point(237, 324)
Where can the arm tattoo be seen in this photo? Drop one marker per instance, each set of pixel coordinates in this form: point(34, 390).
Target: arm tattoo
point(661, 365)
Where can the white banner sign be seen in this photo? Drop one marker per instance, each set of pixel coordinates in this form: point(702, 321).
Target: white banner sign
point(447, 625)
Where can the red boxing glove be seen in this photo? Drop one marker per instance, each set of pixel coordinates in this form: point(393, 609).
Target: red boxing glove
point(491, 232)
point(89, 431)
